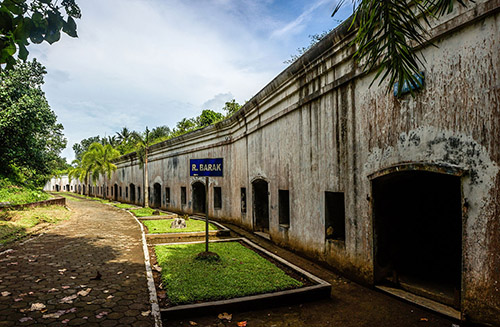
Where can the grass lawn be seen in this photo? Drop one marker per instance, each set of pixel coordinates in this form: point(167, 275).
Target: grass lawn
point(144, 212)
point(163, 226)
point(240, 272)
point(17, 223)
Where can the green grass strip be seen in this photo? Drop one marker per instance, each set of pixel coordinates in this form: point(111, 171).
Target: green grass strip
point(123, 205)
point(145, 212)
point(240, 272)
point(163, 226)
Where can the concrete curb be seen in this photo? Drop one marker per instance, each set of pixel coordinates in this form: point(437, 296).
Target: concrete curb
point(153, 299)
point(322, 289)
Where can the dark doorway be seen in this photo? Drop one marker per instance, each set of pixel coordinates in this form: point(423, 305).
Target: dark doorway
point(156, 195)
point(83, 189)
point(116, 192)
point(199, 197)
point(57, 188)
point(418, 233)
point(67, 187)
point(261, 205)
point(132, 193)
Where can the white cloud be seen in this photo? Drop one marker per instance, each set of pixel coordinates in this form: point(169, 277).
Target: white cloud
point(152, 62)
point(298, 24)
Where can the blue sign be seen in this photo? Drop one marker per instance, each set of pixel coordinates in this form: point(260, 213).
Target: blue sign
point(206, 167)
point(410, 85)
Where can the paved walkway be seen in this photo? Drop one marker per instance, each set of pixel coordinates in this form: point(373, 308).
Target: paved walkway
point(51, 280)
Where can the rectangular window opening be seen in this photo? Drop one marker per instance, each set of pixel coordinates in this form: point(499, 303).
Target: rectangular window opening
point(243, 199)
point(335, 216)
point(217, 197)
point(120, 191)
point(138, 193)
point(126, 192)
point(183, 195)
point(167, 195)
point(284, 207)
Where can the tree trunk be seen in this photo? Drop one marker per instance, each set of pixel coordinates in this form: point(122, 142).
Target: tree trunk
point(146, 183)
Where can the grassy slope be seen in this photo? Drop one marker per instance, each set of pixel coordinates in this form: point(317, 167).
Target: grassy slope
point(17, 194)
point(163, 226)
point(240, 272)
point(15, 224)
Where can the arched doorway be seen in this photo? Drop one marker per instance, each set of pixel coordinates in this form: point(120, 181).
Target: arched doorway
point(83, 189)
point(417, 219)
point(156, 195)
point(115, 194)
point(199, 197)
point(132, 193)
point(261, 205)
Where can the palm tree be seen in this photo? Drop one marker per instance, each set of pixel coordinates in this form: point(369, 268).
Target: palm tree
point(76, 171)
point(142, 154)
point(123, 136)
point(390, 32)
point(98, 160)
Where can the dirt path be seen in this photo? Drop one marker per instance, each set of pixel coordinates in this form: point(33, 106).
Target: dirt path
point(44, 281)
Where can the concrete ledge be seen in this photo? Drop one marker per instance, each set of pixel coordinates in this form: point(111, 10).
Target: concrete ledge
point(321, 290)
point(421, 301)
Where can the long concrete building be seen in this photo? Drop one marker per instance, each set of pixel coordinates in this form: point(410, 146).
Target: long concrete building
point(400, 193)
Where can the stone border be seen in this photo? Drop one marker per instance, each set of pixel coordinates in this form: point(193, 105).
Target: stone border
point(153, 299)
point(320, 290)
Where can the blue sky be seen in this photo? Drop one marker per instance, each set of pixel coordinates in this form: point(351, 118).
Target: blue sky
point(141, 63)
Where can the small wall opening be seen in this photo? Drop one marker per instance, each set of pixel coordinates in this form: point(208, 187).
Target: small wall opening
point(132, 193)
point(199, 197)
point(243, 200)
point(120, 191)
point(183, 195)
point(261, 205)
point(418, 233)
point(335, 216)
point(217, 197)
point(167, 195)
point(138, 193)
point(284, 207)
point(116, 192)
point(156, 195)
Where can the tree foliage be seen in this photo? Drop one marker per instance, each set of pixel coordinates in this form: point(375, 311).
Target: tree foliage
point(98, 160)
point(83, 146)
point(30, 137)
point(389, 33)
point(22, 21)
point(231, 107)
point(208, 117)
